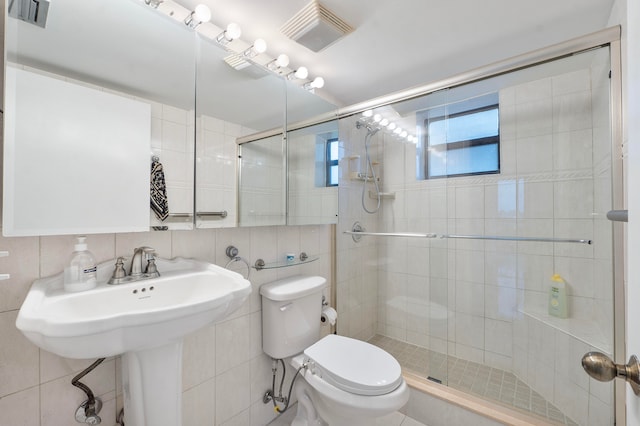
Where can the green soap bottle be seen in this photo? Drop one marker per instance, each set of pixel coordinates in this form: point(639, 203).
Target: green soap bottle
point(558, 297)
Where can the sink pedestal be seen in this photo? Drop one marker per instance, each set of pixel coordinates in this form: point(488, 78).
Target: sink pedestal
point(152, 382)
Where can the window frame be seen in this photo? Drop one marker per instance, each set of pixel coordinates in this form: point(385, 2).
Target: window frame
point(469, 143)
point(329, 162)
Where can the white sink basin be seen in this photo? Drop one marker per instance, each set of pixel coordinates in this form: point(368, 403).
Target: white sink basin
point(114, 319)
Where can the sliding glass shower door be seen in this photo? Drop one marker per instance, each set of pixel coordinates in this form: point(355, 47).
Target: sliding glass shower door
point(508, 281)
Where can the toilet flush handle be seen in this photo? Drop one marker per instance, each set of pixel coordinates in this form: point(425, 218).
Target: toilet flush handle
point(285, 307)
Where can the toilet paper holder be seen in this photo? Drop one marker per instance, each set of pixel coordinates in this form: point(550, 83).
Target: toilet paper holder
point(328, 313)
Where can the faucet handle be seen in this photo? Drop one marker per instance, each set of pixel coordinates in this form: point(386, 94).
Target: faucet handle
point(119, 273)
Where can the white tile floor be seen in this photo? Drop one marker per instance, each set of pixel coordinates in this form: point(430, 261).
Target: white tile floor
point(394, 419)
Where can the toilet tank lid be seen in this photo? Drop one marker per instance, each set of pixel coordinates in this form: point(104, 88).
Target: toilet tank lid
point(292, 287)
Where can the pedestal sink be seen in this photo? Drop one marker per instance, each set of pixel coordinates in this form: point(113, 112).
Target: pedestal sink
point(145, 321)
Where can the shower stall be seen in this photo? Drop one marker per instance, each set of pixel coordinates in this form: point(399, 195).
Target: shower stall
point(489, 184)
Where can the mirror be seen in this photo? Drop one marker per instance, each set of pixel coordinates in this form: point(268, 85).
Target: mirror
point(312, 162)
point(292, 174)
point(262, 189)
point(79, 51)
point(231, 103)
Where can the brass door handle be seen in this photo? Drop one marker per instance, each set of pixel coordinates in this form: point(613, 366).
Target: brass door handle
point(602, 368)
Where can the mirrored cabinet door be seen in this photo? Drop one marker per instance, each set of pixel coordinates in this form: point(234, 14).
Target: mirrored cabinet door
point(232, 102)
point(87, 109)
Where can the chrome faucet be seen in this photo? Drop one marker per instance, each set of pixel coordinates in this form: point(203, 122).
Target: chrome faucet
point(138, 270)
point(138, 266)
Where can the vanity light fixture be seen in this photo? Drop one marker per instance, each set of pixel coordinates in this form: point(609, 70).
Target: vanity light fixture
point(200, 14)
point(300, 74)
point(153, 3)
point(232, 32)
point(259, 46)
point(280, 62)
point(317, 83)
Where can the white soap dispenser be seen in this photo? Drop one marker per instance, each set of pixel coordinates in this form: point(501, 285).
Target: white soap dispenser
point(80, 275)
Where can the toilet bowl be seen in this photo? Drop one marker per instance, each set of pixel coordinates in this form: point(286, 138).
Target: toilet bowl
point(341, 381)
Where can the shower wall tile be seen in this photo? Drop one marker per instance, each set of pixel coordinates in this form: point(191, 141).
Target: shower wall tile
point(500, 303)
point(572, 112)
point(534, 118)
point(573, 150)
point(535, 200)
point(500, 199)
point(573, 199)
point(535, 154)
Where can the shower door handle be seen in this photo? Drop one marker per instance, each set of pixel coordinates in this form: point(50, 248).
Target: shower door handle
point(602, 368)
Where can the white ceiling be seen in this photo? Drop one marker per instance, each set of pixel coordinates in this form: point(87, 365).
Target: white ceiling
point(404, 43)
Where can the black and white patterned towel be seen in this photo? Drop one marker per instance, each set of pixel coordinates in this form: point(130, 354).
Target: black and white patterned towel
point(159, 202)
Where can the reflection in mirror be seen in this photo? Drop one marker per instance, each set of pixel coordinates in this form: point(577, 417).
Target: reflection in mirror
point(79, 47)
point(230, 103)
point(312, 163)
point(262, 174)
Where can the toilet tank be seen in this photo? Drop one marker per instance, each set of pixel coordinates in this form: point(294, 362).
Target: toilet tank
point(291, 310)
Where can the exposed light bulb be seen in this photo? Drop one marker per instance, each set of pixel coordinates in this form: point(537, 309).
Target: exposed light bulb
point(202, 13)
point(377, 118)
point(282, 60)
point(384, 122)
point(391, 126)
point(367, 113)
point(318, 83)
point(199, 15)
point(301, 73)
point(404, 134)
point(397, 130)
point(232, 32)
point(259, 46)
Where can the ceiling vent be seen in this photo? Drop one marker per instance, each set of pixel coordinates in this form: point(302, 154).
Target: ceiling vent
point(31, 11)
point(315, 27)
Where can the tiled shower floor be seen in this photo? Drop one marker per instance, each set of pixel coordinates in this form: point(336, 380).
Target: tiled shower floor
point(477, 379)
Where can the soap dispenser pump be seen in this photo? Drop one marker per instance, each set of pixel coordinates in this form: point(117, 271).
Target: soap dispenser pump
point(80, 275)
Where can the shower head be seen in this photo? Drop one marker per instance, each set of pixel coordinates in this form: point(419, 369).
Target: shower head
point(370, 129)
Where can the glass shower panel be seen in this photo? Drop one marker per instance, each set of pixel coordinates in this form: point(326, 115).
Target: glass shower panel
point(467, 303)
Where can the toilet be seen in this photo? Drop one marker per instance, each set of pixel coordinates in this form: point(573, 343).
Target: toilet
point(342, 381)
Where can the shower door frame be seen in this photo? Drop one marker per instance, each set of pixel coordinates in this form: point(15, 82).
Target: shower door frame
point(609, 37)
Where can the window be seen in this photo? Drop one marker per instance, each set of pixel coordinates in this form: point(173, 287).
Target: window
point(332, 162)
point(462, 139)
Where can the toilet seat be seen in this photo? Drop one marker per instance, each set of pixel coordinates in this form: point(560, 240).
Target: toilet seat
point(354, 366)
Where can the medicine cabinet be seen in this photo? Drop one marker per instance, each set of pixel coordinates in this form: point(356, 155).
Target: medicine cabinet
point(87, 107)
point(79, 160)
